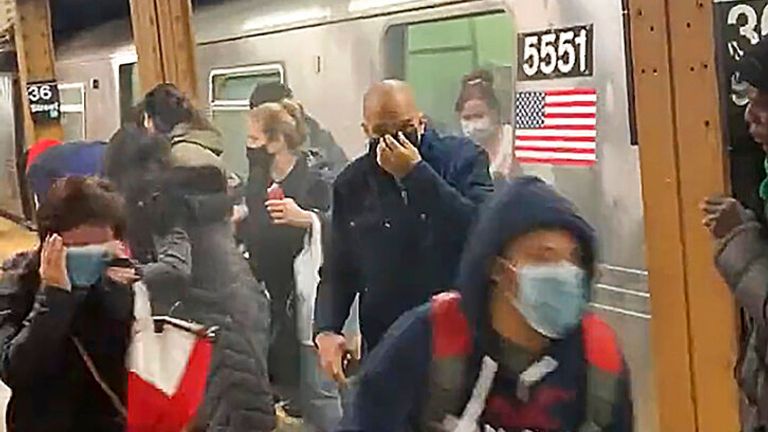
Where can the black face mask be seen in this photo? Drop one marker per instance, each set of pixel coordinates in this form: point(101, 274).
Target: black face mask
point(411, 134)
point(259, 157)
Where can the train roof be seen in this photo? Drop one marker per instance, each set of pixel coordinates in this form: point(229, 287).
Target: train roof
point(235, 19)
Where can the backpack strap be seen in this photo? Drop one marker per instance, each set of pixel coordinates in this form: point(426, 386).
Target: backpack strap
point(605, 365)
point(451, 347)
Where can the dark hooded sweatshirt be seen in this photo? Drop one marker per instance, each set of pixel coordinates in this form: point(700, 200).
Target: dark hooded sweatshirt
point(394, 383)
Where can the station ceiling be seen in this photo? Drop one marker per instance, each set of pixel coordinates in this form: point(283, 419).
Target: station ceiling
point(70, 16)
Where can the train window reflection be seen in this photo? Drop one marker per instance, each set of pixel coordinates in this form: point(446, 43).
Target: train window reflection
point(73, 111)
point(434, 56)
point(230, 90)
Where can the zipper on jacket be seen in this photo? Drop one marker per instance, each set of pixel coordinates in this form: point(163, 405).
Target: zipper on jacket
point(403, 192)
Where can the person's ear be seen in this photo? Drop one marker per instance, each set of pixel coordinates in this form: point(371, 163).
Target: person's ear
point(366, 129)
point(422, 124)
point(502, 272)
point(148, 123)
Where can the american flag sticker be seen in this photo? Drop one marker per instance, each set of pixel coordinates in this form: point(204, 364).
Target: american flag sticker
point(556, 127)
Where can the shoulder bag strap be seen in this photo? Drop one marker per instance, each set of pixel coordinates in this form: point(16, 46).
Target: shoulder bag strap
point(118, 404)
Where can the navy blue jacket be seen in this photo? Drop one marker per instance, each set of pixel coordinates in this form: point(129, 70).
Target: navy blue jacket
point(398, 243)
point(393, 385)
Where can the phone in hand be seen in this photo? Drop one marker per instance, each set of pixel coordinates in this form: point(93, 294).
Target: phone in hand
point(275, 192)
point(350, 364)
point(121, 263)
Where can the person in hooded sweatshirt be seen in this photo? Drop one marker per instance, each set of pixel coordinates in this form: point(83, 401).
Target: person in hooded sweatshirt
point(514, 349)
point(67, 311)
point(741, 255)
point(194, 140)
point(179, 230)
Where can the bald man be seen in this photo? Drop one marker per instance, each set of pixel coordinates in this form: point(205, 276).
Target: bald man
point(400, 219)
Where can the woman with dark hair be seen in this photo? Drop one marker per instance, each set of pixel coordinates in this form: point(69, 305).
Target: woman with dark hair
point(193, 270)
point(132, 147)
point(67, 315)
point(194, 140)
point(287, 200)
point(479, 111)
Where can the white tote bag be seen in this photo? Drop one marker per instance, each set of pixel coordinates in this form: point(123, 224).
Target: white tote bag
point(306, 270)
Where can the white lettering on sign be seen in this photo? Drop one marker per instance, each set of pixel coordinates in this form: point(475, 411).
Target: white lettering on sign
point(746, 23)
point(556, 53)
point(37, 93)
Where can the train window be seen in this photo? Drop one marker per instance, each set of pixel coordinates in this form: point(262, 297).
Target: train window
point(433, 57)
point(73, 111)
point(130, 89)
point(230, 90)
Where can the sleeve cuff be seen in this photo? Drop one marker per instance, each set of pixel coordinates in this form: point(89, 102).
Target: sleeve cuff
point(327, 329)
point(737, 251)
point(51, 296)
point(421, 172)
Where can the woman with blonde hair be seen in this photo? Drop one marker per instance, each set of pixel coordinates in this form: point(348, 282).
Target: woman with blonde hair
point(287, 203)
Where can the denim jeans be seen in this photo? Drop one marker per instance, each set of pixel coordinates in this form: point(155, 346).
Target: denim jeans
point(321, 401)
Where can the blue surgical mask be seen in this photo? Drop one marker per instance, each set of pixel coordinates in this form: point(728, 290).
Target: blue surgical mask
point(86, 264)
point(551, 297)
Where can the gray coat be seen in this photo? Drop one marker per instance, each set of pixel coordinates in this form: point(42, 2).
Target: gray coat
point(218, 290)
point(742, 259)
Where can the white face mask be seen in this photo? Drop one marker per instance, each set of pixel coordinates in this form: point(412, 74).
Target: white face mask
point(479, 130)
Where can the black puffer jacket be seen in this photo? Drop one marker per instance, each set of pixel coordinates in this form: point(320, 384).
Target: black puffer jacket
point(53, 389)
point(218, 290)
point(178, 227)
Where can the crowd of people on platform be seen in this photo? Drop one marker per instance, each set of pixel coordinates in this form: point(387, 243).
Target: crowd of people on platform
point(426, 286)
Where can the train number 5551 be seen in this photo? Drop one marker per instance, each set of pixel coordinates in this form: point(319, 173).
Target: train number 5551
point(565, 52)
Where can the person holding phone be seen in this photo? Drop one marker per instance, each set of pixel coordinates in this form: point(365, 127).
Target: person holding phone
point(66, 311)
point(287, 201)
point(400, 220)
point(322, 151)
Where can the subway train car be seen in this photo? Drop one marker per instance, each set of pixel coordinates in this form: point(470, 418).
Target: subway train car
point(560, 69)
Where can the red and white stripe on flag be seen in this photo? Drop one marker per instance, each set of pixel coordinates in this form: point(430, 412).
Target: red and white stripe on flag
point(556, 127)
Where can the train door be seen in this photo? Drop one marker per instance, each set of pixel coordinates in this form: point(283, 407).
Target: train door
point(434, 56)
point(559, 71)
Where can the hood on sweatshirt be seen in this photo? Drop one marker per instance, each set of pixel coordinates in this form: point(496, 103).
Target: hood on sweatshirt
point(524, 205)
point(196, 147)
